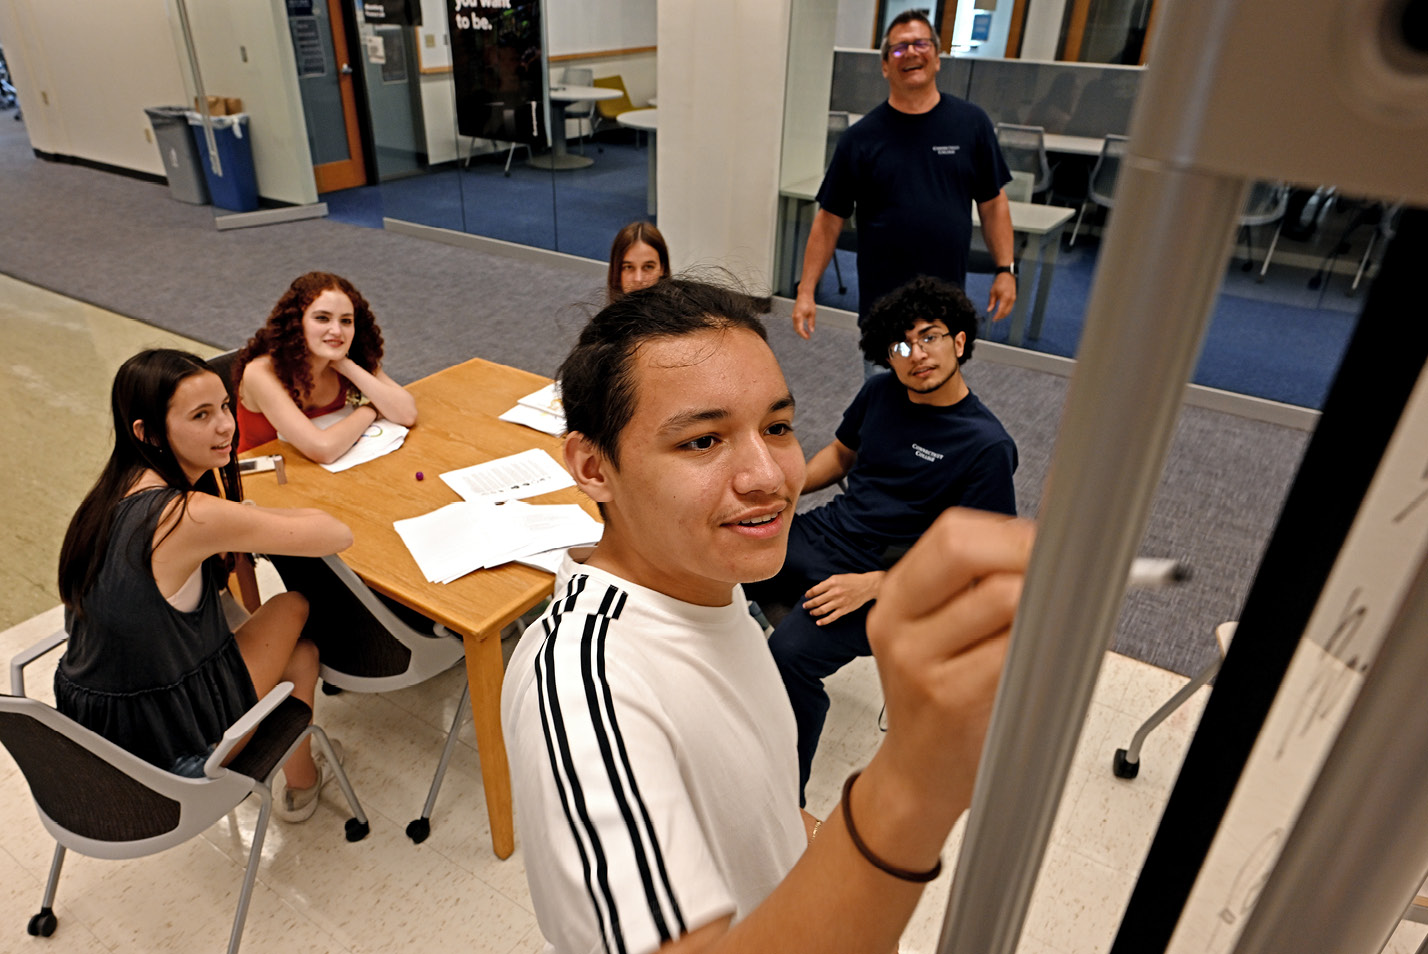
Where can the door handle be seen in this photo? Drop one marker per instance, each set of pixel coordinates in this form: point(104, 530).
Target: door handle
point(346, 70)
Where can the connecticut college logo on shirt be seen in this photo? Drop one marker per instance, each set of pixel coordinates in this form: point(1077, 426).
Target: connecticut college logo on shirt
point(946, 150)
point(926, 454)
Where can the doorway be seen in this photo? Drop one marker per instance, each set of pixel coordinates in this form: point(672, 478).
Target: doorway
point(323, 51)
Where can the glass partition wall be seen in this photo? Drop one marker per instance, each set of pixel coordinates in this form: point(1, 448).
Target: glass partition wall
point(572, 190)
point(1303, 252)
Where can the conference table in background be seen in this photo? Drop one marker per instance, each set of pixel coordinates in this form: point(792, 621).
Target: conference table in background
point(457, 426)
point(648, 120)
point(1042, 224)
point(560, 157)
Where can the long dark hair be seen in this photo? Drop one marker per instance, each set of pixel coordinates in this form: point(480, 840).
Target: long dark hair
point(632, 234)
point(281, 337)
point(143, 388)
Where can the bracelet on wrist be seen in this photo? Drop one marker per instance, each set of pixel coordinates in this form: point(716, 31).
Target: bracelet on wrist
point(902, 874)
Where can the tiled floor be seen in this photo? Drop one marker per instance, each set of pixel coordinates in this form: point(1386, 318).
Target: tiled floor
point(315, 891)
point(58, 360)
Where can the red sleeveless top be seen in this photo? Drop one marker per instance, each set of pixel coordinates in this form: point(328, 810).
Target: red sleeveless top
point(254, 429)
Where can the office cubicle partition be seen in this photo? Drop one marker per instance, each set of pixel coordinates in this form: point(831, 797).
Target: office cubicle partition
point(1074, 99)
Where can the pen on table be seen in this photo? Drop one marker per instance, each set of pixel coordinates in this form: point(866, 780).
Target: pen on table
point(1150, 572)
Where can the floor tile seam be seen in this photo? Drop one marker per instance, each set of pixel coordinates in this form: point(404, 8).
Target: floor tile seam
point(64, 912)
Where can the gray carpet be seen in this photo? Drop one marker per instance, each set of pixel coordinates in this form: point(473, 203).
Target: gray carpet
point(125, 245)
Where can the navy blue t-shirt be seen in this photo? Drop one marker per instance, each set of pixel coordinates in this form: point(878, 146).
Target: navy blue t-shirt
point(911, 180)
point(916, 460)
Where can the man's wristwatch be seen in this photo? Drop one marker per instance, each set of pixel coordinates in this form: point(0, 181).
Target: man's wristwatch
point(1005, 269)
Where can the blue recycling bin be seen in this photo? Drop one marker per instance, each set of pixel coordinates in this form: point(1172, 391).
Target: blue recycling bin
point(235, 186)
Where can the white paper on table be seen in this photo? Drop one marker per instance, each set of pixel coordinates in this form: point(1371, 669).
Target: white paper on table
point(537, 419)
point(446, 542)
point(380, 438)
point(547, 399)
point(527, 474)
point(460, 538)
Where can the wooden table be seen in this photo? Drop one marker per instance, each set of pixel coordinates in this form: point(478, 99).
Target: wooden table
point(1042, 224)
point(560, 157)
point(457, 427)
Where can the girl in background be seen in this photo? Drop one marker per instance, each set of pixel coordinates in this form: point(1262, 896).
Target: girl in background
point(321, 349)
point(639, 257)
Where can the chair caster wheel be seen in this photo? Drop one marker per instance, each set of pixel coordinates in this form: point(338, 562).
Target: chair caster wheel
point(356, 830)
point(1123, 767)
point(328, 689)
point(418, 830)
point(42, 924)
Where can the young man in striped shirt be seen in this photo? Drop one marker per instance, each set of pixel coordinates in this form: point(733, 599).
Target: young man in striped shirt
point(652, 743)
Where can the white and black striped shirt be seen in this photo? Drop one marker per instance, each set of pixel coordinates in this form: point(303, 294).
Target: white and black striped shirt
point(653, 763)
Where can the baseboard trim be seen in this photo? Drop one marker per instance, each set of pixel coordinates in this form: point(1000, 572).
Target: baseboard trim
point(290, 213)
point(510, 250)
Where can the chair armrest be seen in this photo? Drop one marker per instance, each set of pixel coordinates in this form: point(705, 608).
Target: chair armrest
point(25, 657)
point(245, 725)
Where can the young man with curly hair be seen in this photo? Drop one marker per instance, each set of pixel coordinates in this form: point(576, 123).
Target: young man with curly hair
point(913, 443)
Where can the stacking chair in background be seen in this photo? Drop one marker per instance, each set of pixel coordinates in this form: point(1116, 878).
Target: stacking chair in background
point(1266, 203)
point(1126, 762)
point(367, 643)
point(583, 111)
point(100, 800)
point(1024, 148)
point(1102, 188)
point(608, 110)
point(1381, 235)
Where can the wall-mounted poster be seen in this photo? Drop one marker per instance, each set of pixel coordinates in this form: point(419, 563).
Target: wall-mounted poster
point(499, 70)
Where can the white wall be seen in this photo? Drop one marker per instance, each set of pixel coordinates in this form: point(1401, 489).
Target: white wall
point(1043, 29)
point(855, 24)
point(721, 95)
point(85, 71)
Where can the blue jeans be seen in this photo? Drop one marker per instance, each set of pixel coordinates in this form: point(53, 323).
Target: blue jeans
point(191, 766)
point(805, 652)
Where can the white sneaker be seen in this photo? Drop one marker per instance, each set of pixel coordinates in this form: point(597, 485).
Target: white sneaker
point(299, 804)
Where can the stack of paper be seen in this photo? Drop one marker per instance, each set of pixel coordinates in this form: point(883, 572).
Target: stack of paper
point(527, 474)
point(540, 410)
point(381, 437)
point(463, 537)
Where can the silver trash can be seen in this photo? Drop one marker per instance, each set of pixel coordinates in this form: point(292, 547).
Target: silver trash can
point(180, 157)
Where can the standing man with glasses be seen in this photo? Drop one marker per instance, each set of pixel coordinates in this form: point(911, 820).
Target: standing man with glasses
point(912, 444)
point(910, 170)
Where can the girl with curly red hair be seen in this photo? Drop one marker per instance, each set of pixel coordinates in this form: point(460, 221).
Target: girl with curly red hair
point(321, 349)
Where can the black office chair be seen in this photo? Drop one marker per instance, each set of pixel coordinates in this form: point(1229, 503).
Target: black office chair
point(100, 800)
point(1024, 148)
point(368, 643)
point(1102, 188)
point(1266, 203)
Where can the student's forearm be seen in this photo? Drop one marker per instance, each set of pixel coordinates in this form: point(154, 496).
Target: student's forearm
point(822, 240)
point(325, 446)
point(834, 900)
point(826, 467)
point(307, 532)
point(997, 229)
point(391, 399)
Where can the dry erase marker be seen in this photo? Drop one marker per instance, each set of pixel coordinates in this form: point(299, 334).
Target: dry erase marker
point(1149, 572)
